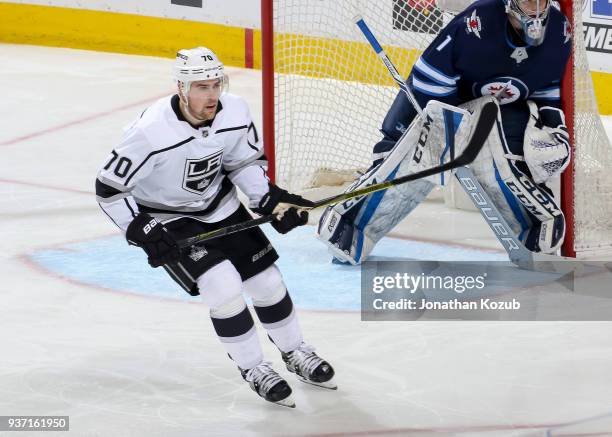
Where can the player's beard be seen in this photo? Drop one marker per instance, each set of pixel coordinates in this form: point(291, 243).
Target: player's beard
point(206, 112)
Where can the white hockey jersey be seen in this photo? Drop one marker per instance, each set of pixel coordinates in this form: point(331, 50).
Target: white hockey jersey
point(168, 168)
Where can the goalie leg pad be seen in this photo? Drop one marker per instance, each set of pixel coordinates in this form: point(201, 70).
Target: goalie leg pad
point(352, 229)
point(530, 210)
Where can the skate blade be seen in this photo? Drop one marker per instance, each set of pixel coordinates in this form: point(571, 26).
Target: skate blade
point(330, 385)
point(287, 402)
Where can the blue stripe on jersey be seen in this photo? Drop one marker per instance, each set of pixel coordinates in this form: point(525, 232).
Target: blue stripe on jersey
point(432, 89)
point(436, 75)
point(553, 93)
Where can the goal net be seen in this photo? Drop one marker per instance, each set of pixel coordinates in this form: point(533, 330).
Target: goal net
point(326, 94)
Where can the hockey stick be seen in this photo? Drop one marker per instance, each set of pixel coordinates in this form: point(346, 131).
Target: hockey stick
point(211, 235)
point(516, 250)
point(380, 52)
point(485, 122)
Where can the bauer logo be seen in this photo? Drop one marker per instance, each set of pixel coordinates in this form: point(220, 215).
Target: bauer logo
point(504, 234)
point(262, 253)
point(200, 173)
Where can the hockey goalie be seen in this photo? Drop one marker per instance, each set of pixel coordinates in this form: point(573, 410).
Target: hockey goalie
point(513, 52)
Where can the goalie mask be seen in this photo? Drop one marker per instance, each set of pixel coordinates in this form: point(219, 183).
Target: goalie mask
point(196, 64)
point(531, 16)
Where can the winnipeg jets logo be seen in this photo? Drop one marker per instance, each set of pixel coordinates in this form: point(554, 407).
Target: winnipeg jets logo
point(200, 173)
point(505, 89)
point(473, 24)
point(519, 54)
point(501, 91)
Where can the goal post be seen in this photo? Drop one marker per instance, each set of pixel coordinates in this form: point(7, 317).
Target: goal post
point(587, 182)
point(567, 178)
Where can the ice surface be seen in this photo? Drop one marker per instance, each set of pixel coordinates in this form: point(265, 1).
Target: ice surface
point(88, 330)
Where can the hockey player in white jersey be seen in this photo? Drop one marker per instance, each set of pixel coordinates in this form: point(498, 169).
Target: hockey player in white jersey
point(174, 175)
point(515, 50)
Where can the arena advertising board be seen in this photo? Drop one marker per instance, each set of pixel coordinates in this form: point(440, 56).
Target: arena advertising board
point(240, 13)
point(597, 17)
point(597, 21)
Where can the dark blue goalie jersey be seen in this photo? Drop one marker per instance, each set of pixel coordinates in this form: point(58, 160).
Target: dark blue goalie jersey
point(479, 53)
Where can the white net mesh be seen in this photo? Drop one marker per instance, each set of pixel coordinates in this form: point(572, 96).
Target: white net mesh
point(332, 93)
point(592, 201)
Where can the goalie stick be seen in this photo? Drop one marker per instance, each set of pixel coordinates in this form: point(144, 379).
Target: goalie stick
point(483, 126)
point(380, 52)
point(516, 250)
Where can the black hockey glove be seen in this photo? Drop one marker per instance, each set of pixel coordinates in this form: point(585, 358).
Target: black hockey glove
point(146, 232)
point(286, 207)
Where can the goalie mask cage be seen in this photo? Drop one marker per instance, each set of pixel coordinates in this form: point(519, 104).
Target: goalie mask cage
point(326, 93)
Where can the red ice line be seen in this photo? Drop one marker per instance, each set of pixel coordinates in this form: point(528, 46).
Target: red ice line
point(453, 430)
point(78, 121)
point(45, 186)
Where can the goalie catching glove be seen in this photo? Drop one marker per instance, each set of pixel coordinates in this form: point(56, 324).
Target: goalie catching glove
point(149, 234)
point(546, 143)
point(286, 207)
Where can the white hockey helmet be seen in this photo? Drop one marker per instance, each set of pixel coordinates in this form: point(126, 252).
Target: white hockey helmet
point(196, 64)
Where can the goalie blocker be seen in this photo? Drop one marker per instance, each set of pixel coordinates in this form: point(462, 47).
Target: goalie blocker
point(352, 229)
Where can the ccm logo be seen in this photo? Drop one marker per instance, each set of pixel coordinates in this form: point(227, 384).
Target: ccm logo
point(542, 200)
point(332, 223)
point(418, 153)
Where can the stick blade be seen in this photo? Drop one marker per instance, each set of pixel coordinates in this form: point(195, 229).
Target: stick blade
point(486, 120)
point(540, 262)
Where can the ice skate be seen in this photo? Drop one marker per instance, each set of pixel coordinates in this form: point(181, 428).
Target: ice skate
point(268, 384)
point(309, 367)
